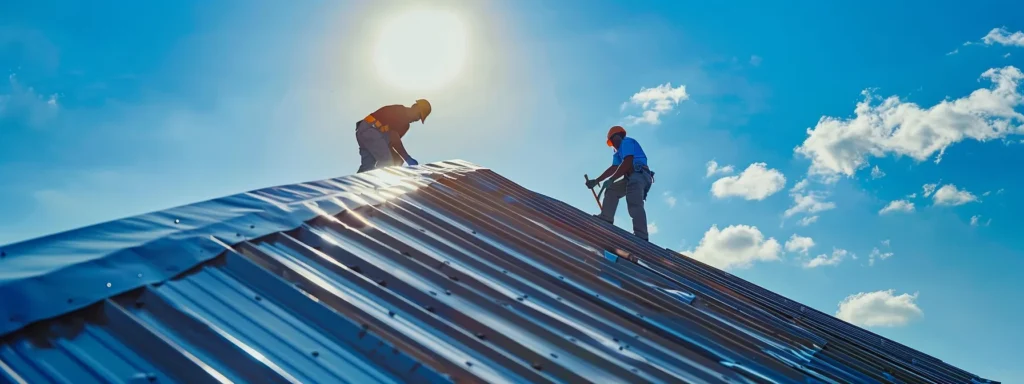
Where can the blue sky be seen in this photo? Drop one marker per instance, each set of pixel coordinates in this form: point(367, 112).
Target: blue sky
point(123, 108)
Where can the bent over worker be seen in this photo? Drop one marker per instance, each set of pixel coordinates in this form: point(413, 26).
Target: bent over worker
point(629, 162)
point(380, 135)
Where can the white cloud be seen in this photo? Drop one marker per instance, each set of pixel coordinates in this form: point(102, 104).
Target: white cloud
point(949, 195)
point(714, 169)
point(986, 193)
point(656, 101)
point(823, 260)
point(756, 60)
point(976, 221)
point(929, 189)
point(25, 105)
point(800, 186)
point(897, 206)
point(953, 52)
point(757, 182)
point(841, 146)
point(1007, 55)
point(912, 196)
point(810, 203)
point(885, 242)
point(876, 173)
point(799, 244)
point(1000, 191)
point(877, 254)
point(652, 228)
point(669, 199)
point(879, 309)
point(1003, 36)
point(807, 221)
point(736, 246)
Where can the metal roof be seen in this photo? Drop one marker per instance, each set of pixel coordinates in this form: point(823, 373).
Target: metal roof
point(446, 272)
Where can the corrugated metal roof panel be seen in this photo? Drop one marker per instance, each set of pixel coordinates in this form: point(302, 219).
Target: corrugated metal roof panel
point(446, 273)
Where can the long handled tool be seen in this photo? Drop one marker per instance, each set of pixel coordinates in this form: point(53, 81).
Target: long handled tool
point(597, 200)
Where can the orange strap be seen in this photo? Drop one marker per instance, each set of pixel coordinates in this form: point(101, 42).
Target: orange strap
point(376, 123)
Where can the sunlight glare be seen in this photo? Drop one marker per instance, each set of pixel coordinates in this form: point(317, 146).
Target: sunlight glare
point(421, 49)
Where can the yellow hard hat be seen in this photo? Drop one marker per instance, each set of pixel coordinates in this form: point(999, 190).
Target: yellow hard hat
point(424, 107)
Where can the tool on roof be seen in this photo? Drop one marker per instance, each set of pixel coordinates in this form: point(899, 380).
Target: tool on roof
point(597, 200)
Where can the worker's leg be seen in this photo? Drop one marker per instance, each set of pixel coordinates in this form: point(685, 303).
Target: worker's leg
point(367, 161)
point(611, 200)
point(374, 147)
point(635, 190)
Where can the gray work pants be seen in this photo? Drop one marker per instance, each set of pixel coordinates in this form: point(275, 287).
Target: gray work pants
point(634, 188)
point(374, 147)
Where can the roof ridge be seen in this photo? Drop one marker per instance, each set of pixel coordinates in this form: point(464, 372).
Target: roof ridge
point(59, 273)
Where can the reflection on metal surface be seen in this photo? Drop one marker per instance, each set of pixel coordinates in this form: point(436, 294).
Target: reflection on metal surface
point(442, 273)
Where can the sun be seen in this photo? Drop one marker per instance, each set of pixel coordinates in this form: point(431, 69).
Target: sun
point(421, 49)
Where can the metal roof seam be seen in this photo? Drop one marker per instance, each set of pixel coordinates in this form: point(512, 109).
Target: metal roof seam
point(446, 272)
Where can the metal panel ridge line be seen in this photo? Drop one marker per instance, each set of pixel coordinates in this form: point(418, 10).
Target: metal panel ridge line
point(496, 184)
point(513, 228)
point(49, 276)
point(542, 286)
point(441, 273)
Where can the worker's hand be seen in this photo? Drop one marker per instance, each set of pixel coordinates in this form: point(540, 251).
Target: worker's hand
point(592, 183)
point(412, 162)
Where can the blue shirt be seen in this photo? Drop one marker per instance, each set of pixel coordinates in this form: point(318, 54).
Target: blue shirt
point(629, 147)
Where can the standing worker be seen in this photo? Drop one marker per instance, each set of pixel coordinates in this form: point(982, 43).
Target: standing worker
point(380, 135)
point(629, 162)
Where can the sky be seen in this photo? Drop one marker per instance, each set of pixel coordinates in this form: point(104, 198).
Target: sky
point(858, 157)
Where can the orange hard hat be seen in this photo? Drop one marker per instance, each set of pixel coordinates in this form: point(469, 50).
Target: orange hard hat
point(612, 131)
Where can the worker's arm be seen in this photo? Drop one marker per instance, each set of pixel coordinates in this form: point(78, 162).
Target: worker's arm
point(617, 171)
point(604, 175)
point(396, 143)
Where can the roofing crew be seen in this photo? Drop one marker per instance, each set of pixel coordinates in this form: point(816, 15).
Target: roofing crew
point(380, 135)
point(629, 162)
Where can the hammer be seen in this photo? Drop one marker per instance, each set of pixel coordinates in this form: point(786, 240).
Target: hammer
point(598, 201)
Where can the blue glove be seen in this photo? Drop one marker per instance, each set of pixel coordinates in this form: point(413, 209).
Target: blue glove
point(411, 162)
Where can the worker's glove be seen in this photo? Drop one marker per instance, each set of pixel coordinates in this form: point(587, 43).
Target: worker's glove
point(592, 183)
point(412, 162)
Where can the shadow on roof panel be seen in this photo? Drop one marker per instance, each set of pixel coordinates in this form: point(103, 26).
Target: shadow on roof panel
point(442, 273)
